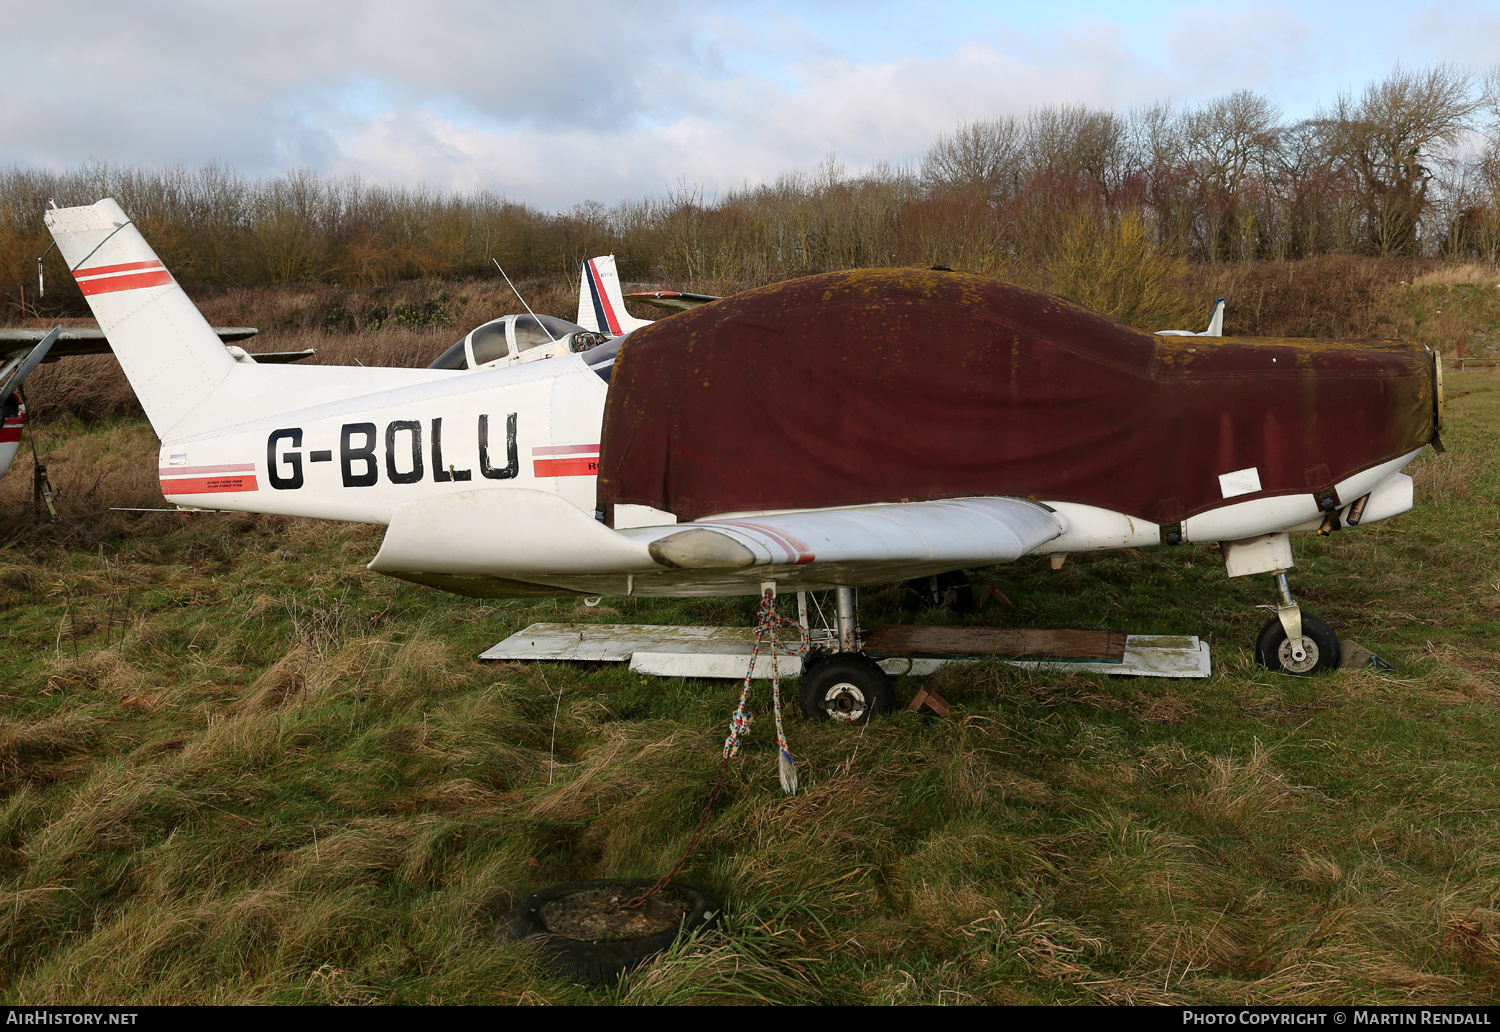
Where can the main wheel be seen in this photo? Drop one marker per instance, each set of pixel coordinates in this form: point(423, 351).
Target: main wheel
point(1274, 652)
point(848, 687)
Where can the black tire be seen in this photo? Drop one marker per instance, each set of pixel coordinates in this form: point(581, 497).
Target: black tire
point(602, 962)
point(1323, 650)
point(848, 687)
point(951, 591)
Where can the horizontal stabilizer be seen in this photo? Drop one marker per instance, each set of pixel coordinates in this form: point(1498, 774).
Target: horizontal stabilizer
point(676, 300)
point(87, 340)
point(271, 357)
point(14, 371)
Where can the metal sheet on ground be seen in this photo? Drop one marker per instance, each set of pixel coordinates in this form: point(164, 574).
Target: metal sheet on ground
point(729, 666)
point(1146, 655)
point(723, 652)
point(618, 642)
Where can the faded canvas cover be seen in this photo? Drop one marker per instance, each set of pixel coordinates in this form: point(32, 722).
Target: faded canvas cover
point(886, 385)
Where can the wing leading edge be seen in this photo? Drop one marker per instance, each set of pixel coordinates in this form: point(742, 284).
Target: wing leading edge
point(550, 547)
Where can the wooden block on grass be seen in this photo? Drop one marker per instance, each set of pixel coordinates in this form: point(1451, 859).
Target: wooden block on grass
point(931, 699)
point(1004, 642)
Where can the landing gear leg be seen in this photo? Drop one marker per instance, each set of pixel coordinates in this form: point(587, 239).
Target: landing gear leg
point(848, 686)
point(1295, 642)
point(848, 624)
point(1290, 616)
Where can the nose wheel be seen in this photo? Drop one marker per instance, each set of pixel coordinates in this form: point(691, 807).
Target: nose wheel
point(1294, 642)
point(1318, 651)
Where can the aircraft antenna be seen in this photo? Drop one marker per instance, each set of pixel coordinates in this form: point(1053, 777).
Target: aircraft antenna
point(41, 284)
point(523, 302)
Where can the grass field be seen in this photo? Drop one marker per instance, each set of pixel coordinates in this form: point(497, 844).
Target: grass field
point(237, 767)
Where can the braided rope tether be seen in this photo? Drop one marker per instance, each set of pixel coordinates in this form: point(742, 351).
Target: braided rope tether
point(767, 624)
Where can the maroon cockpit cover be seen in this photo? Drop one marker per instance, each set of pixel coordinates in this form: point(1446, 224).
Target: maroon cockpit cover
point(887, 385)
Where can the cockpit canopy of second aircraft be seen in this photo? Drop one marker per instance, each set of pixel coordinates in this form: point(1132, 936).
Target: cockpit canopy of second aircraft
point(513, 339)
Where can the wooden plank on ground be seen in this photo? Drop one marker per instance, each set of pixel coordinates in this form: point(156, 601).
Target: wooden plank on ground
point(1005, 642)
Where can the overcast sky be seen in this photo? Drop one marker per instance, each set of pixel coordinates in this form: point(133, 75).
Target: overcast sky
point(552, 103)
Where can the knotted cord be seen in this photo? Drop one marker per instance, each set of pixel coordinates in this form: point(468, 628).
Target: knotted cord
point(767, 623)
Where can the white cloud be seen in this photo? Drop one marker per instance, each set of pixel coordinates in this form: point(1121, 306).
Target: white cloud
point(550, 104)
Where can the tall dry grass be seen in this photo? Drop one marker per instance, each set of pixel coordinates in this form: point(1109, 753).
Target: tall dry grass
point(1459, 272)
point(236, 767)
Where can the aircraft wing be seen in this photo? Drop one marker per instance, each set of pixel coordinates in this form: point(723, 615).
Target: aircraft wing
point(959, 531)
point(17, 366)
point(551, 546)
point(673, 299)
point(85, 340)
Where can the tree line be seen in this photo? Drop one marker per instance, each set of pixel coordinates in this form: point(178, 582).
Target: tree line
point(1096, 204)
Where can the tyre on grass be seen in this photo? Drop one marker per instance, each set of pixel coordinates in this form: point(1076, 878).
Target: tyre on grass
point(847, 687)
point(603, 961)
point(1274, 652)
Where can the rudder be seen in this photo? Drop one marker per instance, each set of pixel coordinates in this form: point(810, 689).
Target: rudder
point(601, 307)
point(168, 351)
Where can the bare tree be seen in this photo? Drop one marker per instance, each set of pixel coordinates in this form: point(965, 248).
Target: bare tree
point(1166, 187)
point(1229, 136)
point(978, 158)
point(1224, 141)
point(1074, 143)
point(1392, 138)
point(1156, 135)
point(1315, 196)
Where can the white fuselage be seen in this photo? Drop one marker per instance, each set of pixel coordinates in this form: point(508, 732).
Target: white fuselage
point(485, 478)
point(537, 426)
point(361, 457)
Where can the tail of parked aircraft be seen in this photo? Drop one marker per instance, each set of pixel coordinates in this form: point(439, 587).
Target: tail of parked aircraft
point(1215, 324)
point(141, 308)
point(601, 307)
point(1216, 321)
point(187, 380)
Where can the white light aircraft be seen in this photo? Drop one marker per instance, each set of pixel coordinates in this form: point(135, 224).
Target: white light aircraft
point(518, 339)
point(485, 477)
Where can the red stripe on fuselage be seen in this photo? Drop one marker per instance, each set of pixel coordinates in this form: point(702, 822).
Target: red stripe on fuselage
point(566, 449)
point(208, 485)
point(9, 434)
point(110, 284)
point(188, 471)
point(103, 270)
point(582, 466)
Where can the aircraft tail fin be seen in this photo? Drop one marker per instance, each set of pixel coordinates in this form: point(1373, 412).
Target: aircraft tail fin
point(1216, 321)
point(168, 351)
point(601, 307)
point(1215, 324)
